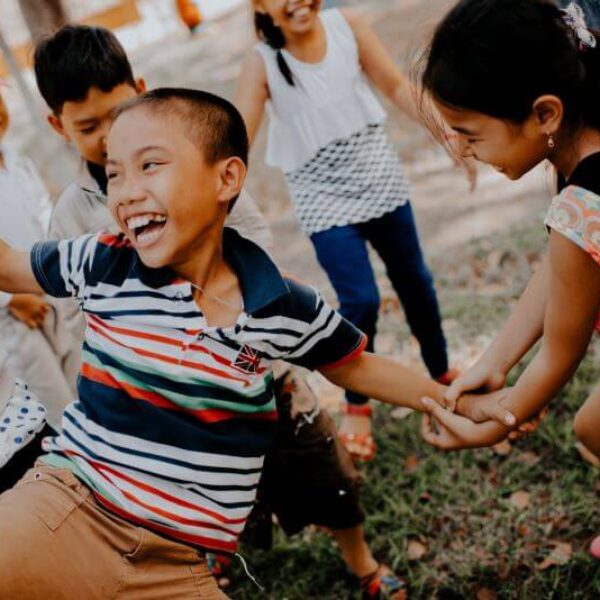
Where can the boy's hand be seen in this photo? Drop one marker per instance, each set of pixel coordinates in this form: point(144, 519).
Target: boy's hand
point(486, 407)
point(30, 309)
point(450, 431)
point(481, 376)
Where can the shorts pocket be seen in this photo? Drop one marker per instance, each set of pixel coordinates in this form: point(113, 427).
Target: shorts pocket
point(52, 494)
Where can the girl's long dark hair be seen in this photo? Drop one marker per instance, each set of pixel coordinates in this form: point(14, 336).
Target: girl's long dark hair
point(497, 56)
point(269, 33)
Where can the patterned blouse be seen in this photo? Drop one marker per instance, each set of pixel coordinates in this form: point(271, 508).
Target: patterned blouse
point(575, 212)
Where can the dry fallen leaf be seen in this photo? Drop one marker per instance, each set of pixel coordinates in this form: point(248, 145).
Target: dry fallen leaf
point(523, 530)
point(416, 550)
point(411, 463)
point(401, 412)
point(520, 500)
point(528, 458)
point(486, 594)
point(561, 554)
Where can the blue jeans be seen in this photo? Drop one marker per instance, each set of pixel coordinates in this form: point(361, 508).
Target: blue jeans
point(342, 252)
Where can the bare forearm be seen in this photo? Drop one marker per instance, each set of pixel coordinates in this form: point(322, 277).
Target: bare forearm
point(404, 96)
point(539, 384)
point(16, 275)
point(386, 380)
point(524, 326)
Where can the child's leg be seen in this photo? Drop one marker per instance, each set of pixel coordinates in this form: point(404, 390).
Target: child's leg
point(394, 236)
point(342, 252)
point(587, 422)
point(587, 430)
point(355, 550)
point(58, 543)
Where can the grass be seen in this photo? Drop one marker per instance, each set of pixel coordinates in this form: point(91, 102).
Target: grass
point(479, 544)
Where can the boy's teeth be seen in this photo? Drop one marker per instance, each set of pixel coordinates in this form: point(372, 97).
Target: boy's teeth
point(143, 220)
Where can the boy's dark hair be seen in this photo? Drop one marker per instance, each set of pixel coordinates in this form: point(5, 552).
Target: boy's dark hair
point(268, 32)
point(497, 56)
point(77, 58)
point(211, 122)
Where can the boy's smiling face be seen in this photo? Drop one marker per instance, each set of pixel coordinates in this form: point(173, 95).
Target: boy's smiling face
point(162, 192)
point(85, 123)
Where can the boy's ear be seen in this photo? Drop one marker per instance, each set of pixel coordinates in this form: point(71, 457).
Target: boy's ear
point(549, 112)
point(140, 85)
point(232, 173)
point(57, 124)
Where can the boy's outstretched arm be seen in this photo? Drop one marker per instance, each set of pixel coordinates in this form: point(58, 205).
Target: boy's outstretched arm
point(16, 275)
point(385, 379)
point(389, 381)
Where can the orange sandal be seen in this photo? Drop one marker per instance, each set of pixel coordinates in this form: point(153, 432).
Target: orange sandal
point(360, 446)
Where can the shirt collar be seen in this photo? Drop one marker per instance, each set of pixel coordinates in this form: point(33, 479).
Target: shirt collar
point(88, 182)
point(260, 279)
point(587, 174)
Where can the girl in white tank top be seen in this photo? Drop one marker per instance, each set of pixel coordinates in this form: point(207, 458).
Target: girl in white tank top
point(326, 133)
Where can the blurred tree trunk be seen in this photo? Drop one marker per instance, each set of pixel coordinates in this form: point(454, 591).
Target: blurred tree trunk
point(43, 16)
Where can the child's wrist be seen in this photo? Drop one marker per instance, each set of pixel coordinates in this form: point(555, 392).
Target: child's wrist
point(465, 406)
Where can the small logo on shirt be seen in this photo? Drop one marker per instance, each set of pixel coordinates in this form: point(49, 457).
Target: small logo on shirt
point(247, 360)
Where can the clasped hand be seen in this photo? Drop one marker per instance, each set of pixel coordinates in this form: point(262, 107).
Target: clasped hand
point(471, 420)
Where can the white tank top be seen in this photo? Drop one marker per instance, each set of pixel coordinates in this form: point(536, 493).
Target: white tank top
point(330, 100)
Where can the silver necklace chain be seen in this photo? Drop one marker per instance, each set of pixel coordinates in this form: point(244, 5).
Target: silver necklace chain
point(217, 299)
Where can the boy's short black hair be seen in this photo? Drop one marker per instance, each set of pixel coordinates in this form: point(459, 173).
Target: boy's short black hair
point(212, 123)
point(77, 58)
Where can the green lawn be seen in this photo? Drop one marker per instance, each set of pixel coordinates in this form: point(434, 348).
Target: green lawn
point(478, 541)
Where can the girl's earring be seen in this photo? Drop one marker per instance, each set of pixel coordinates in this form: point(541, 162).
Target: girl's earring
point(551, 142)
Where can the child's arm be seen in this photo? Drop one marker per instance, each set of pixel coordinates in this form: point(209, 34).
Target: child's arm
point(379, 66)
point(520, 332)
point(449, 431)
point(395, 85)
point(571, 313)
point(384, 379)
point(252, 92)
point(16, 275)
point(389, 381)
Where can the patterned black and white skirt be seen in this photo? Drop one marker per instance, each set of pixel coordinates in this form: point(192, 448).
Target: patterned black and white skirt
point(349, 181)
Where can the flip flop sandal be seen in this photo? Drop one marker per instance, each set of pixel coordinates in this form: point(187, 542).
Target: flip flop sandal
point(383, 584)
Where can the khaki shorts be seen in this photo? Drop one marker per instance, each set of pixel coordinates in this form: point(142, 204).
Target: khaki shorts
point(58, 543)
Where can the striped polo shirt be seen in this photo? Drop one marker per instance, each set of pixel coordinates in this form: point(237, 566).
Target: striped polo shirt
point(173, 417)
